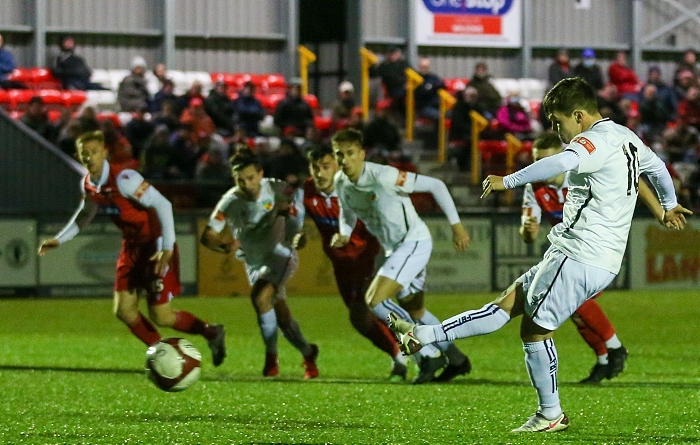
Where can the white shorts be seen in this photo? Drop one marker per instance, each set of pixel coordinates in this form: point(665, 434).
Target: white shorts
point(558, 285)
point(276, 270)
point(406, 265)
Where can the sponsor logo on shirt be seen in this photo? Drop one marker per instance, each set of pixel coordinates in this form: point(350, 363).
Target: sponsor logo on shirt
point(587, 144)
point(401, 180)
point(141, 189)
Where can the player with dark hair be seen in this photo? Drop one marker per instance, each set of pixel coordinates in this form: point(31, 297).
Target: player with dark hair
point(148, 261)
point(353, 264)
point(258, 219)
point(604, 161)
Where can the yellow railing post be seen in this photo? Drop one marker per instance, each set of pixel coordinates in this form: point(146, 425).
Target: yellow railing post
point(306, 56)
point(479, 124)
point(446, 102)
point(514, 146)
point(413, 79)
point(368, 59)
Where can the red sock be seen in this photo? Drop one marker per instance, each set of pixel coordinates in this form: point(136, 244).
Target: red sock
point(593, 317)
point(145, 330)
point(186, 322)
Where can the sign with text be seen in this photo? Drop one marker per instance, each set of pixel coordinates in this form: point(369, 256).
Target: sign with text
point(473, 23)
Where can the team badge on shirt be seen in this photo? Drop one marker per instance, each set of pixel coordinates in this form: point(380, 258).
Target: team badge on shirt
point(141, 189)
point(267, 204)
point(587, 144)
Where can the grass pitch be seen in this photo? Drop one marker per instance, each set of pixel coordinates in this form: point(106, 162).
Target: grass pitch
point(70, 373)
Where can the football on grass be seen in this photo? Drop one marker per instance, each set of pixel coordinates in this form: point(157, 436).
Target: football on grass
point(173, 364)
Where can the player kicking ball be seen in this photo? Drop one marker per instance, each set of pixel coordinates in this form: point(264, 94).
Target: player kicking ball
point(604, 160)
point(148, 261)
point(258, 220)
point(377, 195)
point(545, 200)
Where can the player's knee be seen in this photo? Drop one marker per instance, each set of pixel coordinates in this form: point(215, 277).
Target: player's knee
point(162, 318)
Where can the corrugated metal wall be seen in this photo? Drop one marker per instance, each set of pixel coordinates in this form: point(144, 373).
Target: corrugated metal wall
point(35, 178)
point(384, 19)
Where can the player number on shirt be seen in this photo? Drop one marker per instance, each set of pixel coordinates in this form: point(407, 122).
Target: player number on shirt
point(632, 168)
point(157, 285)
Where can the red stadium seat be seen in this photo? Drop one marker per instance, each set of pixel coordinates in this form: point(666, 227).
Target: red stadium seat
point(5, 99)
point(271, 101)
point(20, 98)
point(455, 84)
point(73, 99)
point(535, 107)
point(273, 83)
point(111, 116)
point(312, 101)
point(54, 115)
point(16, 114)
point(53, 99)
point(227, 78)
point(323, 123)
point(42, 78)
point(20, 74)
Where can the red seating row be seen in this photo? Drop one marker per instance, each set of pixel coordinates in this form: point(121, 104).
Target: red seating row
point(267, 83)
point(452, 85)
point(35, 78)
point(54, 99)
point(270, 101)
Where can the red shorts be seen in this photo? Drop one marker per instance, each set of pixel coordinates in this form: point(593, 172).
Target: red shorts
point(353, 278)
point(135, 271)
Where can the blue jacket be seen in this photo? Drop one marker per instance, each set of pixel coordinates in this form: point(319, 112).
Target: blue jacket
point(7, 63)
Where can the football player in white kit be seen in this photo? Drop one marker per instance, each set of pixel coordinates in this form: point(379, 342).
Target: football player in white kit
point(378, 196)
point(258, 220)
point(604, 161)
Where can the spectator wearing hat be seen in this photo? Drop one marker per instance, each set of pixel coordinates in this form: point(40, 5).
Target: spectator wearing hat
point(342, 109)
point(293, 114)
point(589, 70)
point(71, 69)
point(219, 107)
point(664, 93)
point(195, 116)
point(624, 77)
point(559, 68)
point(37, 119)
point(133, 91)
point(248, 111)
point(380, 133)
point(427, 99)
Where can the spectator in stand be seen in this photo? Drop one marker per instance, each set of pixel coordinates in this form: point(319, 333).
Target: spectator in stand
point(7, 65)
point(195, 116)
point(380, 133)
point(689, 108)
point(461, 127)
point(165, 94)
point(71, 69)
point(589, 70)
point(559, 69)
point(609, 104)
point(664, 93)
point(183, 101)
point(689, 63)
point(357, 119)
point(186, 153)
point(213, 167)
point(37, 119)
point(426, 94)
point(624, 77)
point(342, 109)
point(138, 130)
point(653, 114)
point(219, 107)
point(133, 92)
point(67, 137)
point(118, 147)
point(88, 120)
point(160, 71)
point(489, 97)
point(293, 114)
point(686, 79)
point(678, 142)
point(247, 110)
point(158, 156)
point(167, 116)
point(513, 118)
point(287, 164)
point(392, 71)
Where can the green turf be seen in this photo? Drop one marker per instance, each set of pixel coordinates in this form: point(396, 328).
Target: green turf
point(71, 373)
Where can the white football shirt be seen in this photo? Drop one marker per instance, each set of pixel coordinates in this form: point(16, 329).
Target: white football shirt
point(380, 199)
point(254, 223)
point(602, 195)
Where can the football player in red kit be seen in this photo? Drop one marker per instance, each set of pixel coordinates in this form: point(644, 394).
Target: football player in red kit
point(148, 260)
point(545, 200)
point(354, 264)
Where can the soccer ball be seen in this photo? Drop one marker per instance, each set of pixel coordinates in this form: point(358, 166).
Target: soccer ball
point(173, 364)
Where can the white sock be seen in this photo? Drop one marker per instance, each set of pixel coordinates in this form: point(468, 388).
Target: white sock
point(429, 319)
point(603, 359)
point(482, 321)
point(268, 329)
point(387, 306)
point(401, 359)
point(542, 363)
point(613, 342)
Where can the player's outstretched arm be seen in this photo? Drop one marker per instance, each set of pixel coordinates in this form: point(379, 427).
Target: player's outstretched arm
point(460, 236)
point(675, 218)
point(81, 218)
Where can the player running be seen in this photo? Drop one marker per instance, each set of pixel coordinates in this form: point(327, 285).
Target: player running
point(353, 264)
point(148, 261)
point(604, 160)
point(378, 196)
point(545, 199)
point(258, 219)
